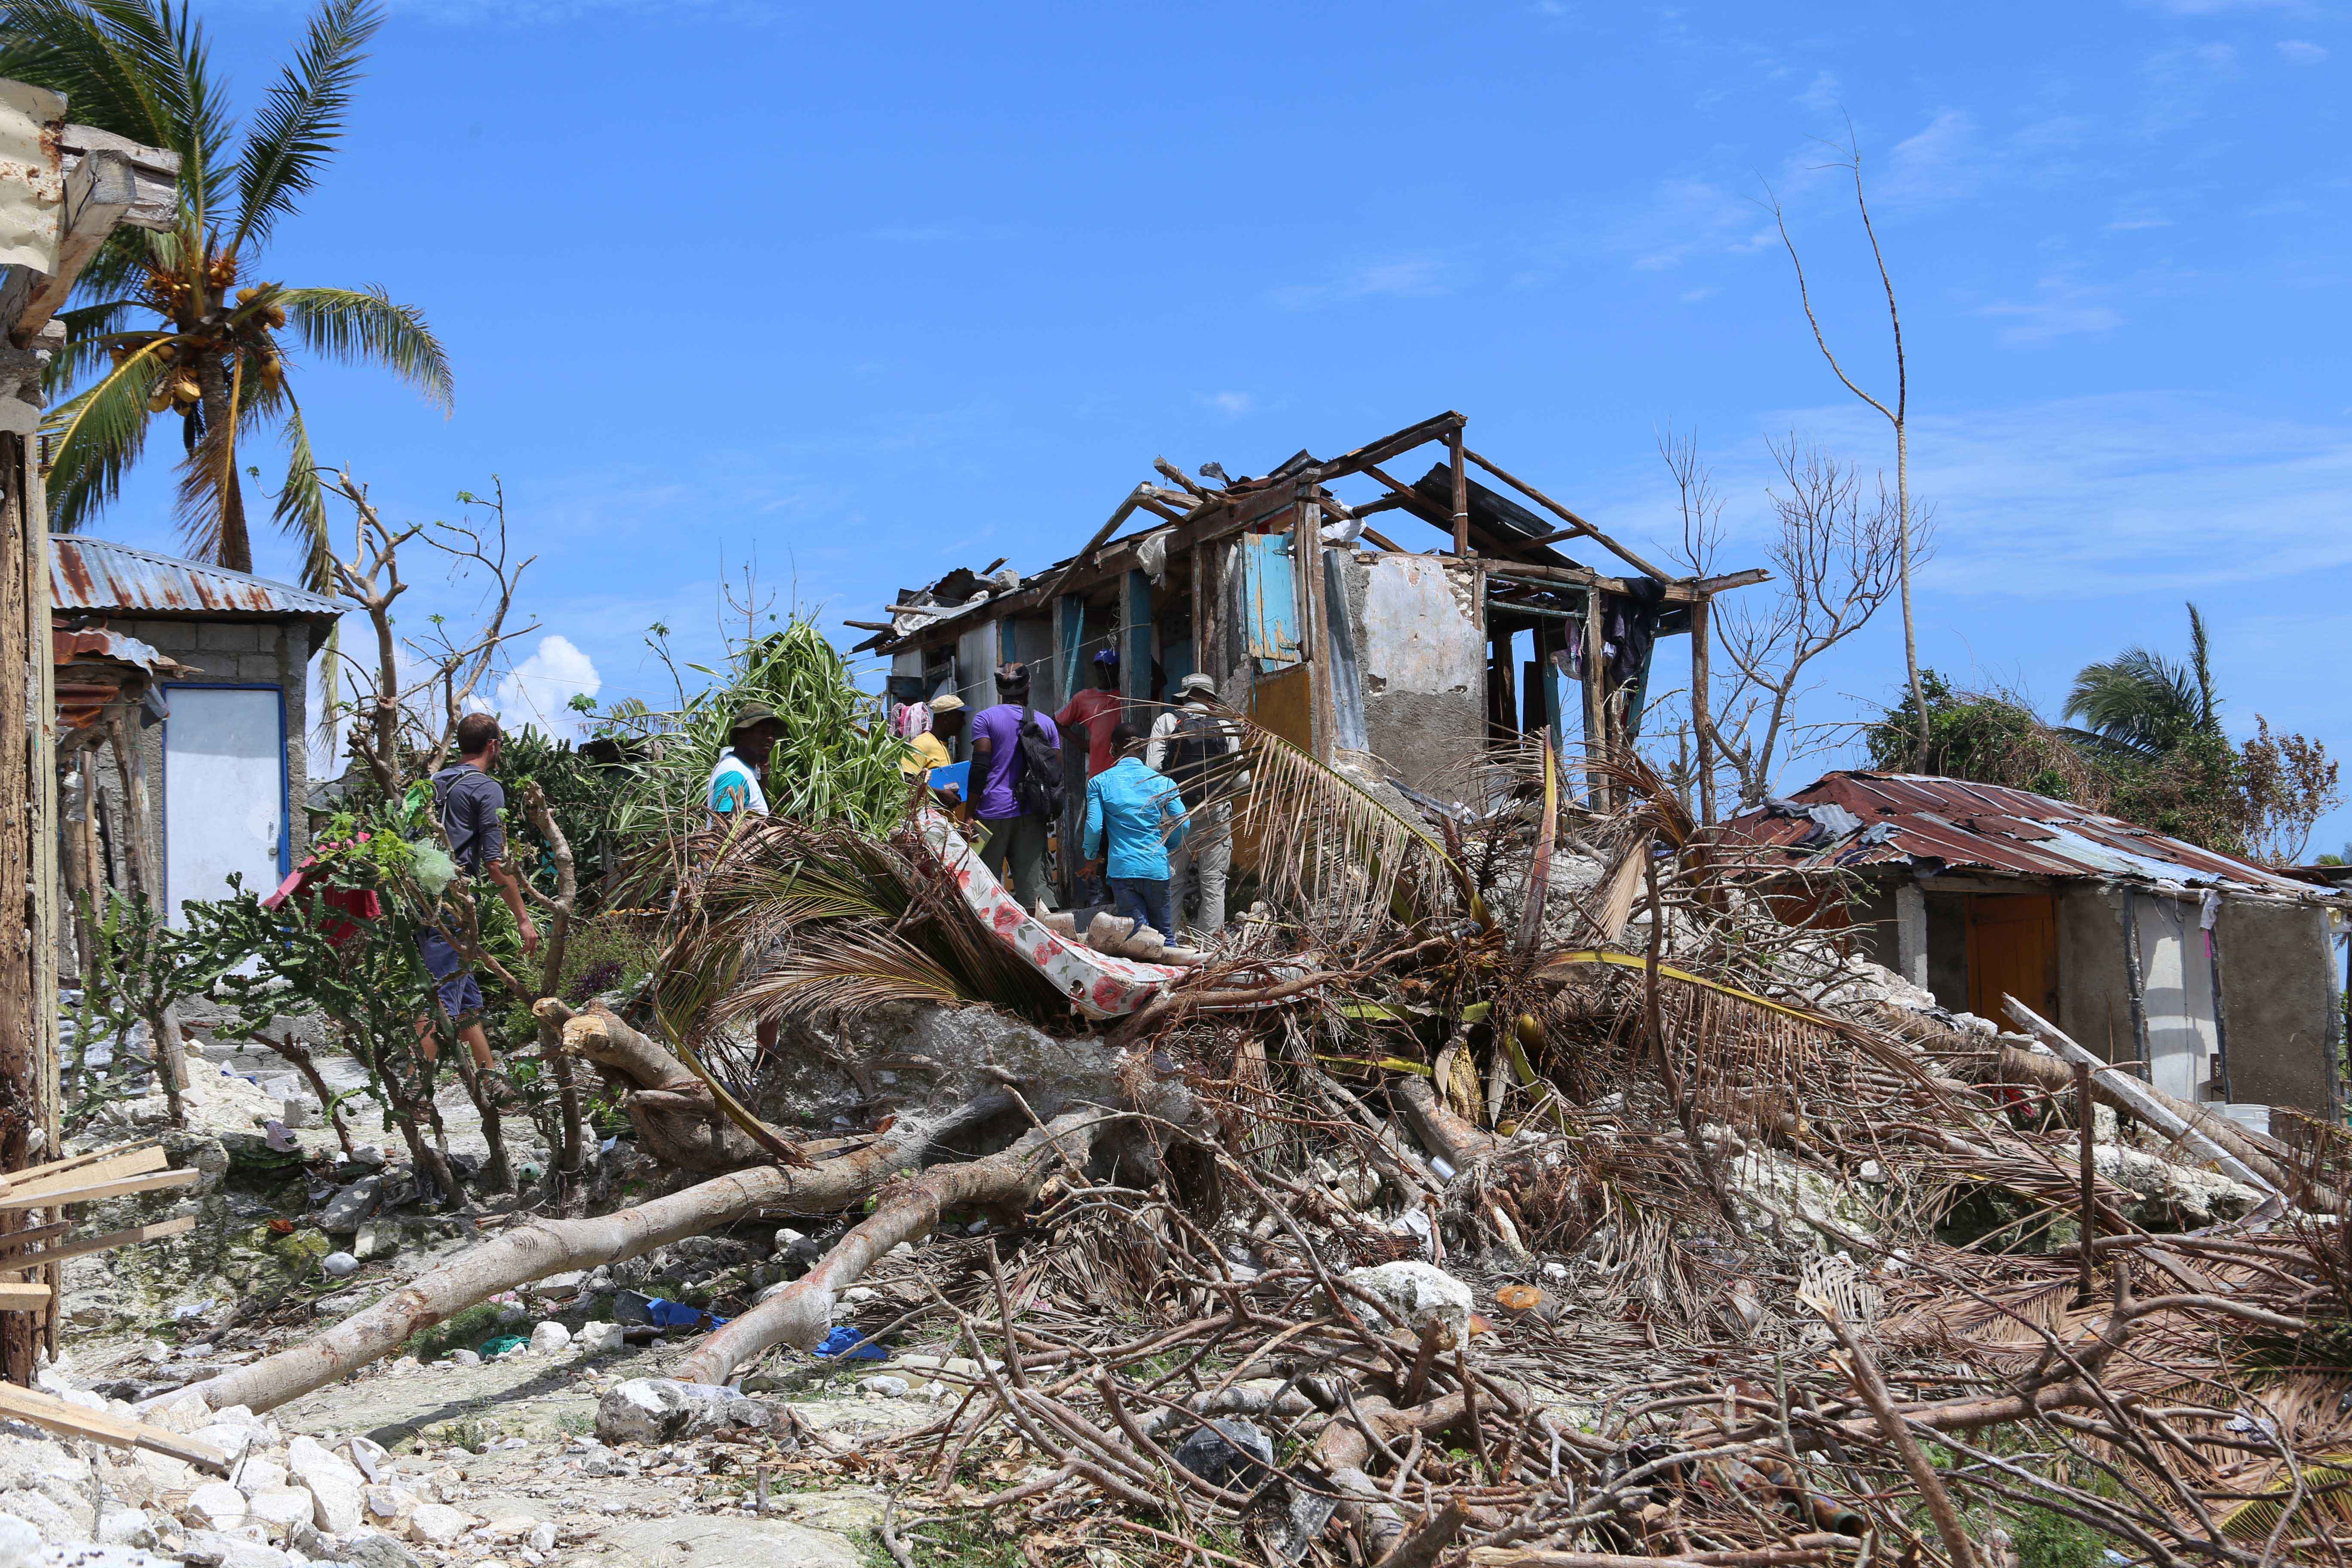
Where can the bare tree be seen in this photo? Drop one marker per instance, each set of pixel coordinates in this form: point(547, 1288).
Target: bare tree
point(1702, 513)
point(1837, 557)
point(1907, 524)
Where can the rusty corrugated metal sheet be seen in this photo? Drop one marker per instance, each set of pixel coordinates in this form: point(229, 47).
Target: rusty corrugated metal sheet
point(1910, 817)
point(96, 665)
point(98, 575)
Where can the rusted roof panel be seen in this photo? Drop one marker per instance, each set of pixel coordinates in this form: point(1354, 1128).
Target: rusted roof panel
point(87, 574)
point(1910, 817)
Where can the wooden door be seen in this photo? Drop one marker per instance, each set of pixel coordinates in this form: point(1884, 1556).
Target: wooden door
point(2012, 941)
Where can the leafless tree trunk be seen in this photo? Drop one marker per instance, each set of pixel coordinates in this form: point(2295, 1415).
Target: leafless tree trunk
point(1897, 415)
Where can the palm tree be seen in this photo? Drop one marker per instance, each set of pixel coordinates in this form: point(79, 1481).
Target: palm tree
point(214, 359)
point(2143, 705)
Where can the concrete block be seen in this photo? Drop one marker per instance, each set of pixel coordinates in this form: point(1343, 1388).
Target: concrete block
point(229, 637)
point(173, 637)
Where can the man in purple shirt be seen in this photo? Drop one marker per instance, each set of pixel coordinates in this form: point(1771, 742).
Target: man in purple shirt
point(1016, 839)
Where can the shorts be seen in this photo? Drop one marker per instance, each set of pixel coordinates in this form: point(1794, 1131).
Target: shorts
point(461, 995)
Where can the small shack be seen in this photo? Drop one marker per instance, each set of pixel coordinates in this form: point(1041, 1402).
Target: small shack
point(2214, 973)
point(210, 789)
point(1319, 625)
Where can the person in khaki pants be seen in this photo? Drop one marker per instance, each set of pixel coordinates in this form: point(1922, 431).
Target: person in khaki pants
point(1185, 741)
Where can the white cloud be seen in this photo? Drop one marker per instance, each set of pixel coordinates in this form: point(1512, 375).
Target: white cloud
point(538, 691)
point(1693, 296)
point(1231, 404)
point(1407, 277)
point(1820, 95)
point(1937, 163)
point(2296, 51)
point(2061, 308)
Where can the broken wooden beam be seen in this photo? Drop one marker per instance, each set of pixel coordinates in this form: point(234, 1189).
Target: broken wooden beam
point(51, 1414)
point(123, 1186)
point(107, 1243)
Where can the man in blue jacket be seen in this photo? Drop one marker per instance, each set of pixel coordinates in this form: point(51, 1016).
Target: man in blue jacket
point(1134, 817)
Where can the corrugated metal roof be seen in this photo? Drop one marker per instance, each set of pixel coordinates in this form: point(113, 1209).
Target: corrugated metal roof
point(1907, 818)
point(87, 574)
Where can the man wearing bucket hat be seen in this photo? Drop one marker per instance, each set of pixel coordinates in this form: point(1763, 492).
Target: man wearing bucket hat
point(1186, 742)
point(927, 749)
point(734, 790)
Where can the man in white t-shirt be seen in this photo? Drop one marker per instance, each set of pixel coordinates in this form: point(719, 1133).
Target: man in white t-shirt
point(734, 790)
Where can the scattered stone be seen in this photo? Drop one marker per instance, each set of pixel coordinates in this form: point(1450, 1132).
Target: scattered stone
point(20, 1543)
point(1421, 1292)
point(599, 1339)
point(336, 1485)
point(549, 1337)
point(339, 1265)
point(1228, 1452)
point(463, 1358)
point(344, 1211)
point(659, 1410)
point(439, 1523)
point(283, 1507)
point(217, 1505)
point(374, 1549)
point(884, 1386)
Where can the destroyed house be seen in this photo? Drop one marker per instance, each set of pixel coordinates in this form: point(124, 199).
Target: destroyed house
point(1320, 626)
point(2215, 974)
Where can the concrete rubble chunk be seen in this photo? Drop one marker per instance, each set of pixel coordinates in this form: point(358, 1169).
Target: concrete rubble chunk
point(599, 1339)
point(549, 1337)
point(20, 1543)
point(283, 1507)
point(659, 1410)
point(217, 1505)
point(438, 1525)
point(1422, 1293)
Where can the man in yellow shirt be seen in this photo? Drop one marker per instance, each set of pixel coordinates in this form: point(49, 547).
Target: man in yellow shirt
point(929, 749)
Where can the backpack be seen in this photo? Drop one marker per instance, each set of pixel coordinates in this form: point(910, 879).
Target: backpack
point(1199, 740)
point(1037, 786)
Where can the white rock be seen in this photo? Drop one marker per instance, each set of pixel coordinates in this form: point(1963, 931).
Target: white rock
point(217, 1505)
point(339, 1265)
point(463, 1358)
point(549, 1337)
point(439, 1523)
point(1422, 1293)
point(47, 1519)
point(229, 1439)
point(259, 1475)
point(884, 1386)
point(371, 1457)
point(284, 1506)
point(599, 1339)
point(20, 1543)
point(336, 1485)
point(376, 1549)
point(126, 1527)
point(857, 1295)
point(656, 1410)
point(388, 1507)
point(237, 1551)
point(542, 1537)
point(1557, 1272)
point(183, 1411)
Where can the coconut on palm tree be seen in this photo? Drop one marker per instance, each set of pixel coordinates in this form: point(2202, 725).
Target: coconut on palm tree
point(185, 323)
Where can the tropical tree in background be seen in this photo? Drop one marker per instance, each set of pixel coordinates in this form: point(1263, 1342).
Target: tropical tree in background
point(2145, 705)
point(181, 324)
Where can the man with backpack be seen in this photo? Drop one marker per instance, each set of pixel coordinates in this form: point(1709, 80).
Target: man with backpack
point(1016, 771)
point(1186, 742)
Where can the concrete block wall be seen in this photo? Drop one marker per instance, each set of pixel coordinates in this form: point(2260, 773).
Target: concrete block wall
point(1421, 642)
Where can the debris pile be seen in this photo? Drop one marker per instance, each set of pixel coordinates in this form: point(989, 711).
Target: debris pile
point(1524, 1184)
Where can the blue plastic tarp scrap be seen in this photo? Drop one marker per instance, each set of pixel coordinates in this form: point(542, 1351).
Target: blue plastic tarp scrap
point(847, 1344)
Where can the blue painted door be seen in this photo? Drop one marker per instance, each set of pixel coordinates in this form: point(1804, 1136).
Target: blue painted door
point(1269, 600)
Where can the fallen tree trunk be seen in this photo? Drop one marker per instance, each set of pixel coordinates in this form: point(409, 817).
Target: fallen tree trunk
point(801, 1314)
point(541, 1247)
point(679, 1119)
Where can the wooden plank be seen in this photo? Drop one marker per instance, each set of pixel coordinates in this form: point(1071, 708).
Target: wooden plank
point(18, 1240)
point(1388, 446)
point(1569, 518)
point(93, 1193)
point(47, 1410)
point(16, 1296)
point(31, 1185)
point(111, 1239)
point(98, 191)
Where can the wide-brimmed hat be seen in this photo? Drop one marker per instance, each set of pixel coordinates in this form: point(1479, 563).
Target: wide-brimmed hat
point(753, 714)
point(1200, 683)
point(949, 703)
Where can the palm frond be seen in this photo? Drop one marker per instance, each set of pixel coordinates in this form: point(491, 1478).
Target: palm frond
point(850, 971)
point(358, 325)
point(2201, 660)
point(297, 127)
point(208, 487)
point(2139, 699)
point(137, 67)
point(99, 434)
point(91, 331)
point(1325, 841)
point(123, 261)
point(302, 510)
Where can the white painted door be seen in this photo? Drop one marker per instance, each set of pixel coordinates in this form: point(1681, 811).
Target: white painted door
point(224, 792)
point(2176, 971)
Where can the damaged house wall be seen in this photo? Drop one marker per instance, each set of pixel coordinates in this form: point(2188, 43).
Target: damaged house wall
point(2121, 930)
point(1420, 633)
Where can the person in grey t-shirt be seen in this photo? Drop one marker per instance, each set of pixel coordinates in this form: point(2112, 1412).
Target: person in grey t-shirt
point(470, 801)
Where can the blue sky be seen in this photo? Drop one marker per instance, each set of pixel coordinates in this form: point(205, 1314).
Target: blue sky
point(867, 294)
